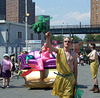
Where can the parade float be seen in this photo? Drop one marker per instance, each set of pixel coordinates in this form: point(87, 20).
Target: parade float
point(34, 77)
point(31, 63)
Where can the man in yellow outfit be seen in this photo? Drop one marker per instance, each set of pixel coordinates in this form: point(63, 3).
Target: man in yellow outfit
point(66, 64)
point(94, 67)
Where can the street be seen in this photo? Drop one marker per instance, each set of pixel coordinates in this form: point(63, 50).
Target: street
point(17, 89)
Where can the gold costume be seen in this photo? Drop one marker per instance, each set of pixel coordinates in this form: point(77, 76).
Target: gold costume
point(63, 86)
point(94, 69)
point(93, 64)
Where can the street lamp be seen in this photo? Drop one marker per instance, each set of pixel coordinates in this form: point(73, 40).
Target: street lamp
point(26, 15)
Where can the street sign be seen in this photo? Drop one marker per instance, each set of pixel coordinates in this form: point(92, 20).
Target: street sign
point(34, 41)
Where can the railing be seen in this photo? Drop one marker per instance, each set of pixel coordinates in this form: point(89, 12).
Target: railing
point(73, 26)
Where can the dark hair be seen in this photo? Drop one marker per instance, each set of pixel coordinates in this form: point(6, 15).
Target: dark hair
point(92, 44)
point(25, 52)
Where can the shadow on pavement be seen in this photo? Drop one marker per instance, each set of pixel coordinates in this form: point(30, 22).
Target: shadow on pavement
point(40, 89)
point(83, 86)
point(22, 86)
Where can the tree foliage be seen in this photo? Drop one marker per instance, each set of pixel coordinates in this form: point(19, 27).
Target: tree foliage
point(92, 37)
point(59, 39)
point(76, 38)
point(97, 38)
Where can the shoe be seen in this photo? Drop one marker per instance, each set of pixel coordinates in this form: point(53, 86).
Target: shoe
point(92, 89)
point(7, 86)
point(96, 90)
point(3, 87)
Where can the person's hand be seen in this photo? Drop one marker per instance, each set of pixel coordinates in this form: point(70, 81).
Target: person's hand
point(48, 34)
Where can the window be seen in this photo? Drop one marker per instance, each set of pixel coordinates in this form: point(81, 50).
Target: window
point(19, 35)
point(93, 18)
point(96, 0)
point(93, 14)
point(31, 36)
point(96, 9)
point(93, 22)
point(39, 37)
point(96, 17)
point(93, 9)
point(96, 4)
point(93, 5)
point(96, 13)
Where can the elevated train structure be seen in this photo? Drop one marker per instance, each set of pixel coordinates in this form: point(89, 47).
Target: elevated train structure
point(78, 29)
point(75, 29)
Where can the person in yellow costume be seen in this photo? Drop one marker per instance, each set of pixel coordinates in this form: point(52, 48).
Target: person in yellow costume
point(94, 67)
point(66, 64)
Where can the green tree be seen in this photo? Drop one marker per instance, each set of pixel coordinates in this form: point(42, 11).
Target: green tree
point(89, 37)
point(59, 39)
point(76, 38)
point(97, 37)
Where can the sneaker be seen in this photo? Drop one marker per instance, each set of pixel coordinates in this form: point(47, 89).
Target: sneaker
point(3, 87)
point(7, 86)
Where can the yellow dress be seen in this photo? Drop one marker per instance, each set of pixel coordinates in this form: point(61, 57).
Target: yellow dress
point(94, 65)
point(94, 69)
point(63, 86)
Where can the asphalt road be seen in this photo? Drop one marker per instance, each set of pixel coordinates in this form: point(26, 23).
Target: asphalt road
point(17, 89)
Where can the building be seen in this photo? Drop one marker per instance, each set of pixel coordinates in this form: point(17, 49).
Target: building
point(12, 38)
point(15, 11)
point(14, 33)
point(2, 9)
point(95, 12)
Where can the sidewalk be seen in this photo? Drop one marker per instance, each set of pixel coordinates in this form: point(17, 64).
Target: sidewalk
point(15, 75)
point(0, 78)
point(85, 81)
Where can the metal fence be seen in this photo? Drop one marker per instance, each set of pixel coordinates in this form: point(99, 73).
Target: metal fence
point(17, 48)
point(9, 50)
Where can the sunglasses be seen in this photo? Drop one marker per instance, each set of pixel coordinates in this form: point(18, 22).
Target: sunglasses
point(67, 41)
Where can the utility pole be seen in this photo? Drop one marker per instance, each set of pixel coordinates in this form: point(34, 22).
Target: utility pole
point(26, 24)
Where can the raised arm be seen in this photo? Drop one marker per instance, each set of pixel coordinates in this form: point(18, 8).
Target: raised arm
point(48, 36)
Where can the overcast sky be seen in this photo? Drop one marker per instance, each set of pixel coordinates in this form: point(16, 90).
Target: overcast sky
point(70, 12)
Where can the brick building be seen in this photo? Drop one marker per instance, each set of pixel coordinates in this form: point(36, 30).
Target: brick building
point(15, 11)
point(95, 12)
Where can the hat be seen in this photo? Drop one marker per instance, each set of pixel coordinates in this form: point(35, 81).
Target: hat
point(6, 55)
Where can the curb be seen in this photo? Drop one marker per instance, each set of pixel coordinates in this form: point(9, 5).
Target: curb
point(1, 78)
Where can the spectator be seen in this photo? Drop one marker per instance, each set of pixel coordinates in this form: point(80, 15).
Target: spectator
point(12, 58)
point(82, 59)
point(6, 70)
point(94, 67)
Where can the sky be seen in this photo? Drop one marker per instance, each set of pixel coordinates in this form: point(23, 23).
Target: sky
point(70, 12)
point(64, 12)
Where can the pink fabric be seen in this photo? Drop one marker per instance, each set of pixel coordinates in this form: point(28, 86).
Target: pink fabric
point(45, 56)
point(6, 64)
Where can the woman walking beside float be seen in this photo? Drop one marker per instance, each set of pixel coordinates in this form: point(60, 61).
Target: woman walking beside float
point(94, 67)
